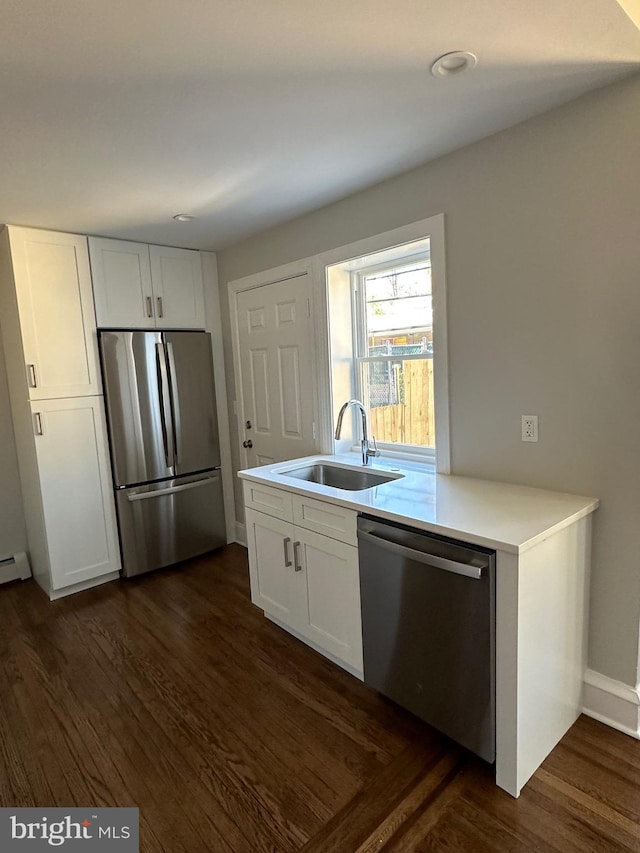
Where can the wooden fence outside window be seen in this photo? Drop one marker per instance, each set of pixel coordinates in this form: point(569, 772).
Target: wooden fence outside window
point(410, 421)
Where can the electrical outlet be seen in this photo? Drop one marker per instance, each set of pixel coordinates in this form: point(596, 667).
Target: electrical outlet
point(529, 427)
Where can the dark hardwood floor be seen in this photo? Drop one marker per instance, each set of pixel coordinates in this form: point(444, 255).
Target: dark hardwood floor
point(174, 694)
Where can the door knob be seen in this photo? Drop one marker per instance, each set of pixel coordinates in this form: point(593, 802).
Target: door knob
point(247, 443)
point(248, 425)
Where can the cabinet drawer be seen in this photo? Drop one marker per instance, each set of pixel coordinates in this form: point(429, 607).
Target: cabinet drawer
point(325, 518)
point(275, 502)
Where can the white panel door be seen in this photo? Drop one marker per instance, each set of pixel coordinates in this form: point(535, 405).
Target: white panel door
point(76, 489)
point(178, 288)
point(270, 544)
point(277, 378)
point(122, 284)
point(57, 319)
point(330, 613)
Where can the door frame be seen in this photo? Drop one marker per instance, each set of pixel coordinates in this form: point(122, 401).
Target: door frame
point(321, 391)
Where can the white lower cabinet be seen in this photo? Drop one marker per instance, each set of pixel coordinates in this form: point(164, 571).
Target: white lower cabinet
point(272, 576)
point(329, 606)
point(75, 541)
point(305, 580)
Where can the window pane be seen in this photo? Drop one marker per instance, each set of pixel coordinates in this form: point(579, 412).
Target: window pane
point(398, 308)
point(398, 394)
point(398, 321)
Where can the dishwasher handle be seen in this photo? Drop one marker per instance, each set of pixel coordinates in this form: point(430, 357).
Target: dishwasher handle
point(470, 570)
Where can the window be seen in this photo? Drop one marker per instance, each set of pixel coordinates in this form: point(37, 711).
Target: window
point(387, 339)
point(393, 346)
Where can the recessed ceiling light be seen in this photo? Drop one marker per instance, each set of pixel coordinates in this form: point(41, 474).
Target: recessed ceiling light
point(453, 63)
point(183, 217)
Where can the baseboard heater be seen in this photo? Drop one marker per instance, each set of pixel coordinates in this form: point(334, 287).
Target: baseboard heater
point(15, 568)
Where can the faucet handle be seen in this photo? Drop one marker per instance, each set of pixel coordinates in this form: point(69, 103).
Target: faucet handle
point(375, 451)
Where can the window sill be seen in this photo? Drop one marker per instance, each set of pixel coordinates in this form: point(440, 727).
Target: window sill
point(416, 461)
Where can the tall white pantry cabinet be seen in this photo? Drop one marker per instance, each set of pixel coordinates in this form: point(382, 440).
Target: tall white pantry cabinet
point(51, 351)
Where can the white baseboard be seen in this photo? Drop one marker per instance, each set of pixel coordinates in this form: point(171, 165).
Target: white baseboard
point(14, 568)
point(241, 534)
point(612, 702)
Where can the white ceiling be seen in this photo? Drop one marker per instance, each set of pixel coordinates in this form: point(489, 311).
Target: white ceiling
point(116, 115)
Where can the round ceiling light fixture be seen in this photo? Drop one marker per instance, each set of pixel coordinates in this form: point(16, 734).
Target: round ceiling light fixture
point(184, 217)
point(453, 63)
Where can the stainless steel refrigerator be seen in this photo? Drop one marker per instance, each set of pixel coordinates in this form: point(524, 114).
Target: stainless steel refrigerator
point(163, 431)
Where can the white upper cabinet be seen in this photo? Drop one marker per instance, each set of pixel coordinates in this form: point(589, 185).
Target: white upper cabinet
point(177, 287)
point(146, 287)
point(52, 287)
point(122, 283)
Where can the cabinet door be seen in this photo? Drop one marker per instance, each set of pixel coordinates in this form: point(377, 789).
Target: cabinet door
point(177, 287)
point(57, 320)
point(270, 543)
point(122, 284)
point(76, 490)
point(330, 606)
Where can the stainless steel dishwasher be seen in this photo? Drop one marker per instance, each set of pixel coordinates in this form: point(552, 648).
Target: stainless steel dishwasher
point(428, 624)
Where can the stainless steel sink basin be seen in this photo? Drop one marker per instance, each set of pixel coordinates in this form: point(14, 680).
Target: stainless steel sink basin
point(340, 478)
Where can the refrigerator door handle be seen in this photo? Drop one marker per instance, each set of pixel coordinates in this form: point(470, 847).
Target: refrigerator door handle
point(165, 406)
point(157, 493)
point(175, 402)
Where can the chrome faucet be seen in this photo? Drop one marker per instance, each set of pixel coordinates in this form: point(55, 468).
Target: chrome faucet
point(367, 451)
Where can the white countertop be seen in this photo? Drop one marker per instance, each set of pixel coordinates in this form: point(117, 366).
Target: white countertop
point(498, 515)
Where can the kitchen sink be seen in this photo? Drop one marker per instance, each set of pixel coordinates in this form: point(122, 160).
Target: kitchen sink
point(340, 478)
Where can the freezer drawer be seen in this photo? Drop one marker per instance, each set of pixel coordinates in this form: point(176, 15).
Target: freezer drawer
point(428, 626)
point(164, 523)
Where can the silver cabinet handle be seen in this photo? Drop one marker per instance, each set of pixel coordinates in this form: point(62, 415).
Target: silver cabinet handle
point(296, 557)
point(160, 312)
point(32, 375)
point(149, 307)
point(287, 561)
point(38, 421)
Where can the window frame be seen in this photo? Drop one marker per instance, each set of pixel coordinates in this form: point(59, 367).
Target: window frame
point(351, 254)
point(360, 334)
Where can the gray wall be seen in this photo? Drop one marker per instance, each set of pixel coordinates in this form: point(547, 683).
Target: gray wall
point(543, 278)
point(12, 531)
